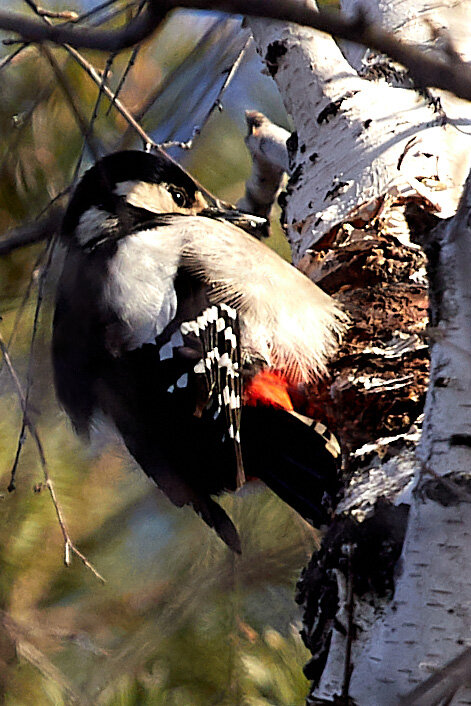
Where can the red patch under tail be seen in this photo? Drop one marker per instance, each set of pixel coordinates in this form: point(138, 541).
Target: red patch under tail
point(269, 389)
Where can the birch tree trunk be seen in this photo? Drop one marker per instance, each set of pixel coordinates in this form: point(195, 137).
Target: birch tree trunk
point(368, 146)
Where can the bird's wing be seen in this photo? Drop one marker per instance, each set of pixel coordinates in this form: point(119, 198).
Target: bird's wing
point(217, 331)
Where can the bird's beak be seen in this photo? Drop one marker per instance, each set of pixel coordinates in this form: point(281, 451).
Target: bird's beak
point(254, 225)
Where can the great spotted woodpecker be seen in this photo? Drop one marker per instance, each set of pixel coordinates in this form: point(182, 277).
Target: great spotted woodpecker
point(184, 330)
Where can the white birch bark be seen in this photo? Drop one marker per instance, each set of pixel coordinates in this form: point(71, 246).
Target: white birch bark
point(345, 158)
point(355, 136)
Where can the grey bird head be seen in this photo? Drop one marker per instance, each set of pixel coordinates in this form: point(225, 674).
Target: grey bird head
point(128, 189)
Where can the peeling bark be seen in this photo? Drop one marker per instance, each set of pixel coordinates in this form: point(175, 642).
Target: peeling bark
point(379, 379)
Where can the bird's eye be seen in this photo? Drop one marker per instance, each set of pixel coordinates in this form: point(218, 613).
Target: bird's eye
point(178, 196)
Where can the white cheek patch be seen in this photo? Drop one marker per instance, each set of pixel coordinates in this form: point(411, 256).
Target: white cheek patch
point(156, 198)
point(94, 223)
point(151, 197)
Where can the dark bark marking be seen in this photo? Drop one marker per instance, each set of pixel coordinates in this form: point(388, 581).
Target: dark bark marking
point(461, 440)
point(336, 189)
point(377, 545)
point(331, 109)
point(275, 51)
point(450, 491)
point(292, 147)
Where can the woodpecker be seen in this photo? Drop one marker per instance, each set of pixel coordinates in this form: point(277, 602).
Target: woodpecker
point(188, 333)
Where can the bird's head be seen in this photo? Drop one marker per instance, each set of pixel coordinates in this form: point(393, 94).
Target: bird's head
point(125, 190)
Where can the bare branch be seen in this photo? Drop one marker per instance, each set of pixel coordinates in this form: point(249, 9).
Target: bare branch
point(64, 15)
point(70, 100)
point(91, 38)
point(217, 104)
point(95, 76)
point(29, 375)
point(447, 73)
point(69, 546)
point(6, 61)
point(266, 143)
point(130, 64)
point(443, 684)
point(32, 233)
point(170, 78)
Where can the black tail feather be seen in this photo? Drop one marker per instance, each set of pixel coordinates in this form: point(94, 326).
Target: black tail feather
point(293, 459)
point(215, 517)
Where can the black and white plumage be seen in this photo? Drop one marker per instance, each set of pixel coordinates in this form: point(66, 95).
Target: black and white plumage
point(167, 309)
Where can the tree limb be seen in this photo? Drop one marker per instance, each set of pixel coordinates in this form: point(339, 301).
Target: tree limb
point(266, 143)
point(447, 72)
point(32, 233)
point(69, 546)
point(91, 38)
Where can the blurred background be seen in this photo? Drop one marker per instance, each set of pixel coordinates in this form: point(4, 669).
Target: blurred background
point(180, 621)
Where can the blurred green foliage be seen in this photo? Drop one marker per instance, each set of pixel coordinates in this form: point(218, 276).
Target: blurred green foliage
point(180, 620)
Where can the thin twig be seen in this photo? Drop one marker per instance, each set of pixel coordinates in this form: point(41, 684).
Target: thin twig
point(19, 314)
point(29, 374)
point(24, 301)
point(128, 68)
point(94, 11)
point(216, 104)
point(95, 76)
point(104, 80)
point(69, 546)
point(66, 15)
point(122, 80)
point(96, 107)
point(19, 447)
point(172, 77)
point(64, 84)
point(4, 62)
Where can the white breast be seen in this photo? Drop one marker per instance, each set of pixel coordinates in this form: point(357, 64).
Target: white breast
point(140, 287)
